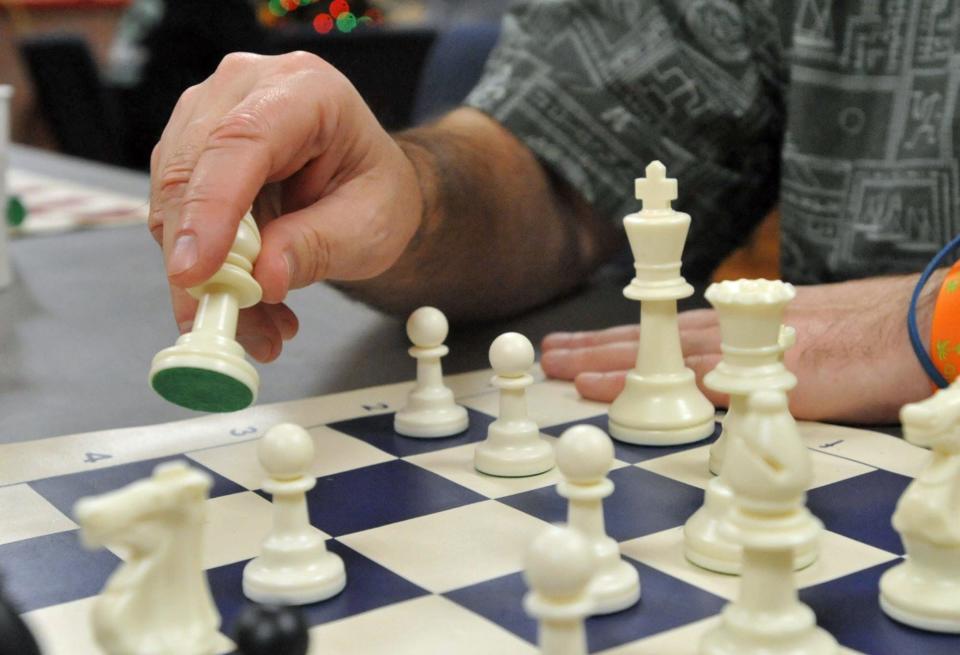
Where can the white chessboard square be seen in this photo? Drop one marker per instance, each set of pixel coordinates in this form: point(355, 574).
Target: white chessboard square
point(429, 625)
point(690, 466)
point(839, 556)
point(875, 449)
point(451, 549)
point(551, 402)
point(335, 453)
point(684, 640)
point(236, 527)
point(456, 465)
point(25, 514)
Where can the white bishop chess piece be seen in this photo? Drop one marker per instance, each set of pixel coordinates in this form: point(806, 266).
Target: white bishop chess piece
point(294, 567)
point(924, 590)
point(660, 404)
point(513, 447)
point(584, 456)
point(558, 569)
point(754, 340)
point(158, 601)
point(769, 469)
point(430, 411)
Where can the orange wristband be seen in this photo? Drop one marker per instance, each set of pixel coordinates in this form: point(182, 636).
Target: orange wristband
point(945, 332)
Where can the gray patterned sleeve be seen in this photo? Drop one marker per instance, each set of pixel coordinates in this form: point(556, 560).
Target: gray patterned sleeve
point(599, 88)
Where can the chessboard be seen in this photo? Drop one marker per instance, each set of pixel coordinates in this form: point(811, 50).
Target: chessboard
point(53, 205)
point(434, 549)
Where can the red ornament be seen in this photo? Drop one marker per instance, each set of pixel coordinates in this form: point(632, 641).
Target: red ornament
point(338, 7)
point(290, 5)
point(375, 15)
point(323, 23)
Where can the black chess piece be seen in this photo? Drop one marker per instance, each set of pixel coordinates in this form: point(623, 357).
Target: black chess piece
point(270, 630)
point(15, 637)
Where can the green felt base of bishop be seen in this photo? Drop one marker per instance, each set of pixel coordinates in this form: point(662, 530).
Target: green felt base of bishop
point(202, 389)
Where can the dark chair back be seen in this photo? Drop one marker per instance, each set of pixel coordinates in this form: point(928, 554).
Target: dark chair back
point(82, 115)
point(453, 68)
point(384, 64)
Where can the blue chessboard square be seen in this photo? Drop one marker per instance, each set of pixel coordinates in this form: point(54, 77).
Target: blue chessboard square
point(52, 570)
point(849, 609)
point(626, 452)
point(64, 491)
point(666, 503)
point(369, 586)
point(378, 431)
point(376, 495)
point(672, 603)
point(861, 508)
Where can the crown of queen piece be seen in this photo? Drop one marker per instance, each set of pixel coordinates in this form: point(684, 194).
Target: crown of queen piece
point(657, 234)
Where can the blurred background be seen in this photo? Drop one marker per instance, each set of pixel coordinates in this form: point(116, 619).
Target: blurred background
point(98, 79)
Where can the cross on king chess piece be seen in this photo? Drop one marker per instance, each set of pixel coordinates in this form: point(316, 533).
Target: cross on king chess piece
point(656, 190)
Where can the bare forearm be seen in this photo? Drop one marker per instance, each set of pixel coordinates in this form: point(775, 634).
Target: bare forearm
point(497, 235)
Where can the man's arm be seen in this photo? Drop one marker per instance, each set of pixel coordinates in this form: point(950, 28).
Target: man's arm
point(853, 358)
point(498, 233)
point(460, 215)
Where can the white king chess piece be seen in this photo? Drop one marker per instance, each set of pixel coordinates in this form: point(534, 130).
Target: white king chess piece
point(584, 456)
point(660, 404)
point(753, 342)
point(430, 411)
point(158, 601)
point(769, 469)
point(924, 590)
point(294, 567)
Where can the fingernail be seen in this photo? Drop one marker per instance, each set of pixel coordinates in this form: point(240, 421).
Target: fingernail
point(291, 268)
point(590, 378)
point(184, 254)
point(185, 327)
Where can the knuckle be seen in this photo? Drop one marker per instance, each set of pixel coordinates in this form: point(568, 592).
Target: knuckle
point(238, 126)
point(300, 59)
point(237, 61)
point(318, 254)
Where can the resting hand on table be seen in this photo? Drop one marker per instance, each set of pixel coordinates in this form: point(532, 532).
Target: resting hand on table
point(852, 359)
point(291, 137)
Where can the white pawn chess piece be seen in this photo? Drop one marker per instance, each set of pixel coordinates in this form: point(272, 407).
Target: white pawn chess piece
point(513, 447)
point(558, 568)
point(6, 94)
point(753, 342)
point(660, 404)
point(430, 411)
point(294, 567)
point(206, 370)
point(924, 590)
point(769, 469)
point(158, 601)
point(584, 456)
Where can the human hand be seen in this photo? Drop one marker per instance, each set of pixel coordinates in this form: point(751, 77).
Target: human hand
point(334, 195)
point(852, 359)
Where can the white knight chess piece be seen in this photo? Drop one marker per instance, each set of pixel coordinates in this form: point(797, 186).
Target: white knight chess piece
point(924, 591)
point(158, 601)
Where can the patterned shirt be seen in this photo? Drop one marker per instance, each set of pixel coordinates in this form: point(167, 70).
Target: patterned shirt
point(841, 113)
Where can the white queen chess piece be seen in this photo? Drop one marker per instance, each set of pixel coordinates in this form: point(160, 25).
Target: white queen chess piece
point(753, 342)
point(924, 590)
point(660, 404)
point(294, 567)
point(431, 410)
point(513, 447)
point(769, 469)
point(158, 601)
point(206, 369)
point(584, 456)
point(558, 568)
